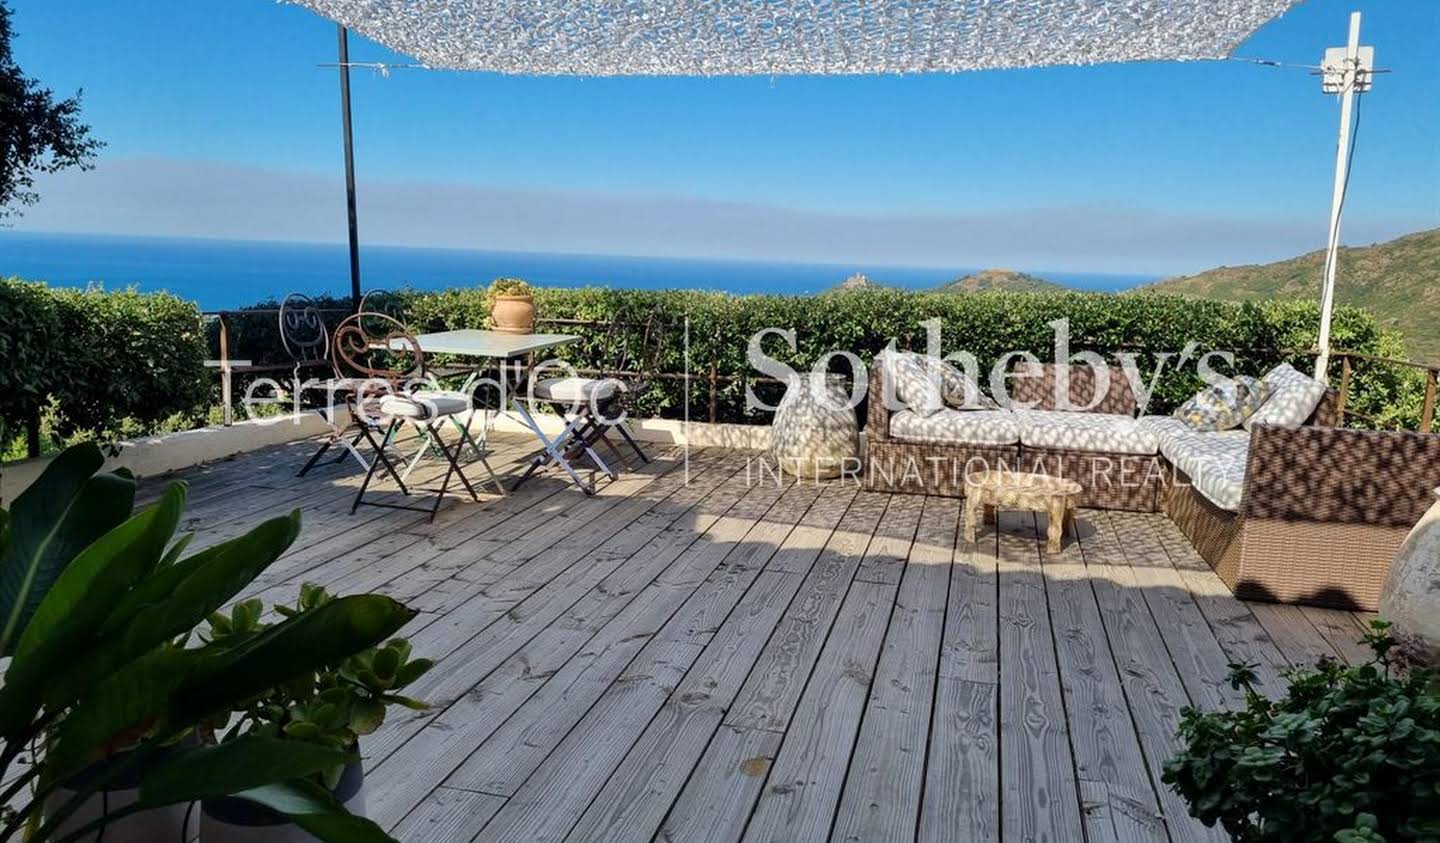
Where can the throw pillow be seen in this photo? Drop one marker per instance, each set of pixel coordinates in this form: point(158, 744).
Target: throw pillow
point(1293, 398)
point(1223, 405)
point(912, 384)
point(957, 389)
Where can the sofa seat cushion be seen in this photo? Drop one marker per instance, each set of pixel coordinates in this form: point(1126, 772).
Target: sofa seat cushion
point(1093, 432)
point(957, 427)
point(1214, 462)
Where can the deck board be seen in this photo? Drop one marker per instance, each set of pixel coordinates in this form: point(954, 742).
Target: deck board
point(734, 659)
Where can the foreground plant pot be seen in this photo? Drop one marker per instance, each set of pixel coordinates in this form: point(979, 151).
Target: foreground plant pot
point(231, 820)
point(513, 314)
point(170, 824)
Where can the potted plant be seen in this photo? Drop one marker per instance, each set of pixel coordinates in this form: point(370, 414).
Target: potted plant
point(106, 694)
point(512, 306)
point(1350, 754)
point(332, 706)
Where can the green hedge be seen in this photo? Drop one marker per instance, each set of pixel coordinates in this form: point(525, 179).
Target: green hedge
point(985, 324)
point(100, 363)
point(122, 361)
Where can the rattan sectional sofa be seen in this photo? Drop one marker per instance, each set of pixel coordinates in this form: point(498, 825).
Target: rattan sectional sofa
point(1312, 514)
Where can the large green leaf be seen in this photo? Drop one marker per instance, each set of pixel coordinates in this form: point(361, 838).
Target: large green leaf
point(63, 627)
point(133, 696)
point(323, 636)
point(314, 809)
point(182, 594)
point(58, 515)
point(228, 768)
point(170, 602)
point(85, 592)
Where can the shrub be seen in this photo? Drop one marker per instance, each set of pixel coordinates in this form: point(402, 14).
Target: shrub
point(1350, 754)
point(128, 356)
point(985, 324)
point(100, 363)
point(29, 326)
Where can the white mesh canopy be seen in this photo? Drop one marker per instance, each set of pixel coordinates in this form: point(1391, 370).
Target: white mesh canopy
point(745, 37)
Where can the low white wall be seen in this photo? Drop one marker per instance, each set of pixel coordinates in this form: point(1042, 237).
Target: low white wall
point(158, 454)
point(154, 455)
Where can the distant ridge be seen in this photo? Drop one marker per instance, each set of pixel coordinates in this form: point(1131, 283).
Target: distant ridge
point(1398, 281)
point(1009, 280)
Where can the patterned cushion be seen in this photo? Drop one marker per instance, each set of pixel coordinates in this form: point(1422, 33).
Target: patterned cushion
point(1214, 462)
point(1223, 405)
point(1093, 432)
point(954, 427)
point(957, 389)
point(1293, 398)
point(914, 387)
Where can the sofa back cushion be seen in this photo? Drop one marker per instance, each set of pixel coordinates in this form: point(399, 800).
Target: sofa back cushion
point(1293, 398)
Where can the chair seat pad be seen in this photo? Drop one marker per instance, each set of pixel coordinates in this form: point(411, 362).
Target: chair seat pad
point(1214, 462)
point(574, 390)
point(425, 404)
point(957, 427)
point(1094, 432)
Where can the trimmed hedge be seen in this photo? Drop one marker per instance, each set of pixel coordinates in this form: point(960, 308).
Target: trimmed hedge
point(987, 325)
point(103, 362)
point(110, 362)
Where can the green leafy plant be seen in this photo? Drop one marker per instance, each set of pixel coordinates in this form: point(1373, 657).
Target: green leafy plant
point(1350, 754)
point(333, 705)
point(509, 287)
point(97, 606)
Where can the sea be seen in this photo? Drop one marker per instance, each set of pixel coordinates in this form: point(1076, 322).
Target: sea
point(221, 274)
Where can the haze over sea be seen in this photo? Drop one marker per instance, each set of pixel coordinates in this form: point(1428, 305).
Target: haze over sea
point(219, 274)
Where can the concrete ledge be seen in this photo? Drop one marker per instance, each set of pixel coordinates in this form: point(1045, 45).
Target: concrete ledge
point(156, 455)
point(668, 431)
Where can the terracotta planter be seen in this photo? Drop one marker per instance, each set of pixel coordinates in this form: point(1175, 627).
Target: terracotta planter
point(1411, 597)
point(231, 820)
point(170, 824)
point(513, 314)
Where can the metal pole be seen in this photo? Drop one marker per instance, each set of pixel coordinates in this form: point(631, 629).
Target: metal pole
point(344, 37)
point(1337, 197)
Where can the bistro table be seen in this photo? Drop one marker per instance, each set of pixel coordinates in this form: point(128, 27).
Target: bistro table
point(494, 345)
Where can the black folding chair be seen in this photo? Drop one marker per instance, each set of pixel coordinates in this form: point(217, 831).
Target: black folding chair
point(306, 340)
point(380, 352)
point(594, 406)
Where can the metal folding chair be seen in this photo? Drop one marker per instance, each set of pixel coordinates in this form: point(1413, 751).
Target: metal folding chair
point(306, 340)
point(382, 353)
point(593, 406)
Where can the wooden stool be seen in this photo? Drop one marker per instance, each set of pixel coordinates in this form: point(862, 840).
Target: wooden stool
point(988, 491)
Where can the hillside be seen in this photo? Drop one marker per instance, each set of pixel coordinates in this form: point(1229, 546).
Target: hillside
point(858, 281)
point(1001, 279)
point(1398, 281)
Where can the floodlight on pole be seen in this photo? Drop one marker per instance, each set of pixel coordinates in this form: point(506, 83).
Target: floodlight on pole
point(1346, 71)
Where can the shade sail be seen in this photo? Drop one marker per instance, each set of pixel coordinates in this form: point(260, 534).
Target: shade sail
point(764, 37)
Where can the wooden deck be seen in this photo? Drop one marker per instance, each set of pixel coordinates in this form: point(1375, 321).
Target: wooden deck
point(695, 655)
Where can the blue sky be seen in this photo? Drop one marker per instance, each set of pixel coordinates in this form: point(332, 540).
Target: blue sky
point(220, 123)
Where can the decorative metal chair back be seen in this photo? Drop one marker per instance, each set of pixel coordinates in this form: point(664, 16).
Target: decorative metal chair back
point(378, 347)
point(302, 331)
point(385, 303)
point(637, 355)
